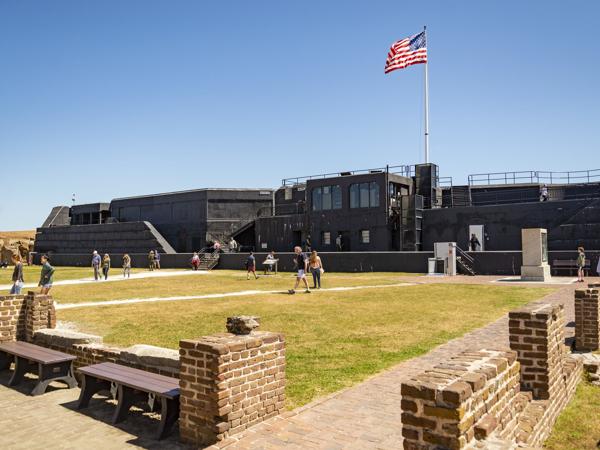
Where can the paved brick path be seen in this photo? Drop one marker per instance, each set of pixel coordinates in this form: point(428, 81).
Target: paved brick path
point(366, 416)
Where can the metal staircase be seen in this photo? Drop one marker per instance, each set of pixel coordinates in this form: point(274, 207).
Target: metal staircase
point(208, 258)
point(465, 262)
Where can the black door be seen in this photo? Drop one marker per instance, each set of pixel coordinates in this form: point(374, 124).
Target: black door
point(345, 240)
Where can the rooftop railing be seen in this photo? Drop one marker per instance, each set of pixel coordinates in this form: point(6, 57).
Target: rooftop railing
point(405, 171)
point(535, 177)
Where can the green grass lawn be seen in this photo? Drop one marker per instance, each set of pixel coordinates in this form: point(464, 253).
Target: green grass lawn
point(334, 339)
point(217, 281)
point(31, 274)
point(578, 427)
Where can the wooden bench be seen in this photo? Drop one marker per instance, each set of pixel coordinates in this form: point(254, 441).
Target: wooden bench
point(570, 265)
point(130, 383)
point(49, 365)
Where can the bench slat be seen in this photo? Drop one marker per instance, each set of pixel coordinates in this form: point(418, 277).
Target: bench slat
point(122, 370)
point(134, 378)
point(35, 353)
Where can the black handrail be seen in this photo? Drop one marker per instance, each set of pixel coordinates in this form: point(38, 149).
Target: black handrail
point(535, 177)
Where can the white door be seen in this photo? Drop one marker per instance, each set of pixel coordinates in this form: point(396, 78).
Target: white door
point(477, 230)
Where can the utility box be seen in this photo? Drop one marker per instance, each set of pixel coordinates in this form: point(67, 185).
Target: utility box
point(447, 252)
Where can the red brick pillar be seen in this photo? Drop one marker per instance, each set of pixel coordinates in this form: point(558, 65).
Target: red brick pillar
point(537, 334)
point(40, 314)
point(12, 318)
point(228, 383)
point(587, 315)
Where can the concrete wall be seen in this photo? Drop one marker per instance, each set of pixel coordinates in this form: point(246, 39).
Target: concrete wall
point(486, 263)
point(131, 237)
point(570, 223)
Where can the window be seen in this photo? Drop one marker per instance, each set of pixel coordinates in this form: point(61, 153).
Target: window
point(326, 197)
point(288, 194)
point(365, 237)
point(364, 195)
point(374, 195)
point(317, 199)
point(326, 238)
point(336, 197)
point(354, 199)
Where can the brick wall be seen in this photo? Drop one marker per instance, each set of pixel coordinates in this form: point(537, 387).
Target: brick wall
point(452, 403)
point(228, 383)
point(89, 349)
point(12, 318)
point(587, 326)
point(495, 399)
point(22, 315)
point(537, 334)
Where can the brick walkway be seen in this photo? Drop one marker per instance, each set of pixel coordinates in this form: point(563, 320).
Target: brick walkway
point(366, 416)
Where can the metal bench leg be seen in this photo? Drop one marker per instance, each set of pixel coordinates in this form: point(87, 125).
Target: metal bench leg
point(21, 368)
point(125, 399)
point(89, 387)
point(54, 372)
point(6, 360)
point(169, 413)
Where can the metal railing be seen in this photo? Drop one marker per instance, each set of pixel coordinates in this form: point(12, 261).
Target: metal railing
point(535, 177)
point(403, 170)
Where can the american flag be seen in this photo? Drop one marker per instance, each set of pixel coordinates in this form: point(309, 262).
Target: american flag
point(409, 51)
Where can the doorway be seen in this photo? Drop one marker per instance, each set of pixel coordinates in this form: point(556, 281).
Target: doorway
point(345, 240)
point(297, 238)
point(478, 231)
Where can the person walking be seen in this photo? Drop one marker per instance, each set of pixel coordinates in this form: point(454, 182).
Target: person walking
point(156, 260)
point(251, 266)
point(474, 242)
point(151, 260)
point(195, 261)
point(17, 276)
point(233, 245)
point(96, 263)
point(316, 268)
point(544, 193)
point(302, 266)
point(580, 264)
point(338, 243)
point(46, 276)
point(105, 266)
point(126, 266)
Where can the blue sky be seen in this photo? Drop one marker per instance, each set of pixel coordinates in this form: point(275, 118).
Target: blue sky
point(117, 98)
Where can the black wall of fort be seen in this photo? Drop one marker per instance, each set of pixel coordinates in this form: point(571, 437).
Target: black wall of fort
point(486, 263)
point(569, 223)
point(132, 237)
point(187, 219)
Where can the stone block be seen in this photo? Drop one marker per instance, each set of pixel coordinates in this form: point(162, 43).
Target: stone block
point(149, 355)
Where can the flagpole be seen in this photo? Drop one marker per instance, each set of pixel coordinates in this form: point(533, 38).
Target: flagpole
point(426, 105)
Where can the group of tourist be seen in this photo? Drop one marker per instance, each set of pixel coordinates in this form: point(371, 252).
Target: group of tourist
point(102, 265)
point(303, 263)
point(18, 279)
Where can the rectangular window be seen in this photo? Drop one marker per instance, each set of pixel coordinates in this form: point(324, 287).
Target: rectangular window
point(365, 237)
point(326, 197)
point(364, 195)
point(326, 238)
point(374, 195)
point(317, 199)
point(288, 194)
point(336, 197)
point(354, 196)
